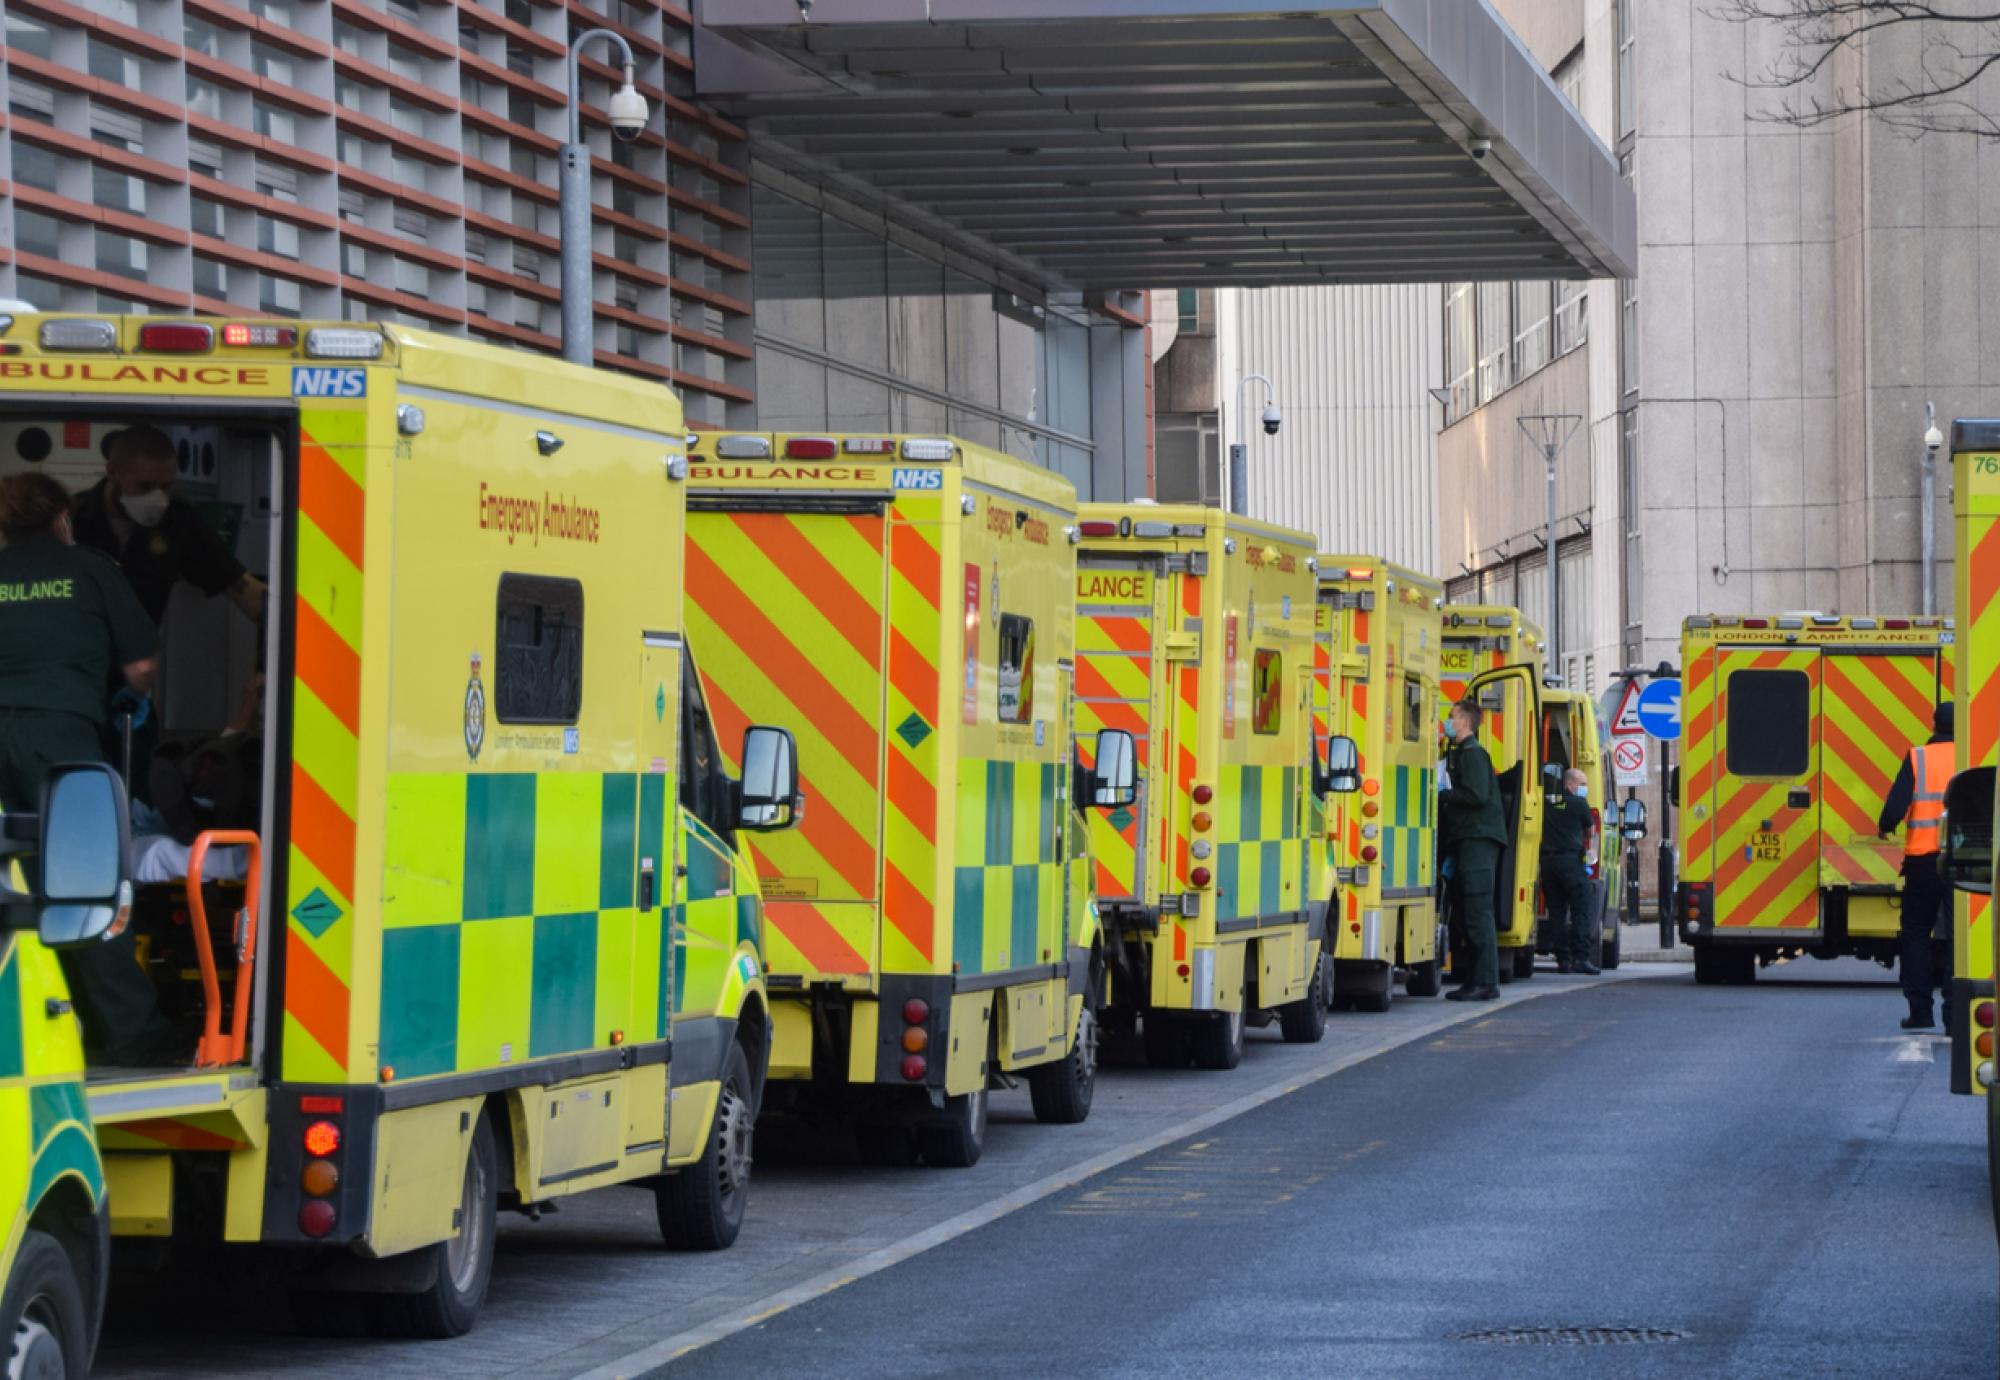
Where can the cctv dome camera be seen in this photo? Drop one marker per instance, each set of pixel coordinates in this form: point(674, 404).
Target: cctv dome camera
point(1479, 148)
point(628, 111)
point(1273, 419)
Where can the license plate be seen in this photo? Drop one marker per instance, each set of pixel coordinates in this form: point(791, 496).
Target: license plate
point(1766, 846)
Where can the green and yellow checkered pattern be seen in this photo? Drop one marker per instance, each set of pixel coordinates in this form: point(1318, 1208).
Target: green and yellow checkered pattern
point(511, 927)
point(1264, 872)
point(1007, 912)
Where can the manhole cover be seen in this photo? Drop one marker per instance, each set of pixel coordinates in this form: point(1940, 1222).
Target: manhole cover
point(1573, 1336)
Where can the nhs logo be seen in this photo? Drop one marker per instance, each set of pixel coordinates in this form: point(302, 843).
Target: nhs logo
point(919, 479)
point(317, 381)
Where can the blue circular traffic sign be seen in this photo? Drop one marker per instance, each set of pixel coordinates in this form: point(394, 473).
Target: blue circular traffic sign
point(1660, 709)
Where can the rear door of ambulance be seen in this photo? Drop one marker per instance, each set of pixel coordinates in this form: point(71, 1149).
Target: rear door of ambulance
point(1875, 705)
point(1765, 797)
point(786, 600)
point(1511, 733)
point(1122, 621)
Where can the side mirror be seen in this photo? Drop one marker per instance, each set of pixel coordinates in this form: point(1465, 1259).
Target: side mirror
point(84, 857)
point(1633, 820)
point(1968, 831)
point(1674, 781)
point(768, 798)
point(1114, 780)
point(1343, 766)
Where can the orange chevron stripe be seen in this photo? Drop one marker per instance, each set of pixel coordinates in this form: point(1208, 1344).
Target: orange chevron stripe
point(1851, 813)
point(914, 795)
point(913, 675)
point(316, 998)
point(1191, 596)
point(322, 831)
point(1869, 713)
point(1771, 887)
point(824, 828)
point(330, 497)
point(912, 554)
point(175, 1135)
point(328, 666)
point(790, 670)
point(808, 931)
point(909, 909)
point(1126, 634)
point(801, 562)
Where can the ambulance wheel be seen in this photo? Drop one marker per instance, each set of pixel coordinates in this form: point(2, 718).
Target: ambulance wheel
point(1708, 965)
point(450, 1304)
point(1612, 943)
point(1379, 990)
point(1166, 1040)
point(1303, 1022)
point(701, 1207)
point(1524, 963)
point(1427, 978)
point(1216, 1042)
point(956, 1144)
point(42, 1316)
point(1061, 1090)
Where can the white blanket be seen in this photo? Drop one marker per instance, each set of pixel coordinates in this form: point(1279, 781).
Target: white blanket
point(158, 857)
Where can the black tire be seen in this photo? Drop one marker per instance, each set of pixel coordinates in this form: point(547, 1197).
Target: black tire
point(1061, 1091)
point(956, 1144)
point(44, 1327)
point(701, 1207)
point(1166, 1040)
point(1524, 963)
point(1303, 1022)
point(1613, 940)
point(1215, 1039)
point(1709, 965)
point(450, 1305)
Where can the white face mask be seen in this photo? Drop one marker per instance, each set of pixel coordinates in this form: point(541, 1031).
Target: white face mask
point(145, 509)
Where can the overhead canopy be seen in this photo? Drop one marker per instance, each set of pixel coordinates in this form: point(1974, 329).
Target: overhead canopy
point(1163, 143)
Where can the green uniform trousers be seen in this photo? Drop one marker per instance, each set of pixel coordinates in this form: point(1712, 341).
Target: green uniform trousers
point(122, 1021)
point(1568, 893)
point(1475, 869)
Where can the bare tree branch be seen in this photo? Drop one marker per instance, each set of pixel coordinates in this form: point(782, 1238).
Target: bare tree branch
point(1960, 42)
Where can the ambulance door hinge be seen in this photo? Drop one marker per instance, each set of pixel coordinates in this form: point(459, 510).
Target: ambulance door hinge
point(1183, 646)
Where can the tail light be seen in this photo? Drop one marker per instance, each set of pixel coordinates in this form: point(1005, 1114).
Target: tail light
point(1368, 852)
point(1097, 527)
point(316, 1218)
point(1202, 821)
point(914, 1068)
point(1371, 787)
point(811, 448)
point(322, 1138)
point(1984, 1044)
point(916, 1039)
point(283, 337)
point(1201, 877)
point(1982, 1015)
point(1370, 809)
point(177, 337)
point(1203, 794)
point(916, 1011)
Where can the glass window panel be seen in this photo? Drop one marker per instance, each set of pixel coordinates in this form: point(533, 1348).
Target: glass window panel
point(211, 278)
point(1023, 373)
point(791, 392)
point(857, 302)
point(108, 62)
point(35, 165)
point(972, 342)
point(121, 254)
point(29, 35)
point(35, 233)
point(118, 191)
point(279, 296)
point(1069, 377)
point(789, 270)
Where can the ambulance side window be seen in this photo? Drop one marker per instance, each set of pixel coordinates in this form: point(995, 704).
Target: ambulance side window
point(1267, 691)
point(1017, 669)
point(538, 650)
point(704, 784)
point(1769, 723)
point(1413, 709)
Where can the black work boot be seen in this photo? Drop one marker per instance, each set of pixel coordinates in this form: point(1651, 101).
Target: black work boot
point(1919, 1017)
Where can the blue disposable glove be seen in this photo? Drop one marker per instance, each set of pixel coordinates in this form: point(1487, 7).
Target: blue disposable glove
point(130, 704)
point(1445, 871)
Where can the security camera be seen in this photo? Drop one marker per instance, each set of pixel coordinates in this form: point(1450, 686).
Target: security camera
point(1273, 419)
point(1933, 438)
point(1479, 148)
point(628, 111)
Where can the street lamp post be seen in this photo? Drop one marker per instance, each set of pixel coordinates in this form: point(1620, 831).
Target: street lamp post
point(628, 117)
point(1549, 437)
point(1239, 467)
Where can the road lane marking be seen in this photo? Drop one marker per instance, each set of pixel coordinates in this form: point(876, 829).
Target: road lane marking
point(672, 1348)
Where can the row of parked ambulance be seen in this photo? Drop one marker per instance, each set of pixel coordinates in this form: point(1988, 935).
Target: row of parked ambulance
point(621, 787)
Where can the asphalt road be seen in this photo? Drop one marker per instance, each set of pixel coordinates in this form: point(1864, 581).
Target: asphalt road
point(1770, 1172)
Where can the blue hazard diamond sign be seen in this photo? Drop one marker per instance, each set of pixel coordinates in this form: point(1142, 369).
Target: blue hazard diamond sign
point(317, 913)
point(913, 730)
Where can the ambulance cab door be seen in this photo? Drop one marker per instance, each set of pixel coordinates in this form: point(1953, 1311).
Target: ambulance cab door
point(651, 866)
point(1764, 804)
point(1512, 734)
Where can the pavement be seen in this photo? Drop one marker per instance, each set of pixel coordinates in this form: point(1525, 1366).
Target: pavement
point(590, 1288)
point(1641, 1178)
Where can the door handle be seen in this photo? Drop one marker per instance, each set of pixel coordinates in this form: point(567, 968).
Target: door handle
point(1799, 800)
point(56, 1006)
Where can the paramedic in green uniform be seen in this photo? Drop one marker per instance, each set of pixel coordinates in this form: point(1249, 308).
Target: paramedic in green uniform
point(1566, 885)
point(67, 619)
point(1471, 835)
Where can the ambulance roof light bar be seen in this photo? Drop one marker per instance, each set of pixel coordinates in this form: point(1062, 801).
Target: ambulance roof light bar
point(75, 333)
point(931, 448)
point(743, 447)
point(343, 342)
point(177, 337)
point(244, 333)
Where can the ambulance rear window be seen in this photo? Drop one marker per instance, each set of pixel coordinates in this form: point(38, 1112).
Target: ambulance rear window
point(538, 672)
point(1769, 723)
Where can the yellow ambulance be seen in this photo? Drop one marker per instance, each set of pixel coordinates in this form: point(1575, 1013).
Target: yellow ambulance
point(55, 1224)
point(1494, 655)
point(486, 872)
point(1794, 728)
point(1195, 634)
point(904, 602)
point(1375, 680)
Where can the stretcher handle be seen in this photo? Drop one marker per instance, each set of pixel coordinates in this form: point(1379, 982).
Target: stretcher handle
point(216, 1048)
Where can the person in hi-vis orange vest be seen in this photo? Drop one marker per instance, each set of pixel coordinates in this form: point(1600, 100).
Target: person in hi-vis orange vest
point(1916, 801)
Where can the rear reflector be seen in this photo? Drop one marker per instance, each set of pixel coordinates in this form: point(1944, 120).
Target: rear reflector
point(280, 337)
point(316, 1217)
point(177, 337)
point(79, 335)
point(1896, 624)
point(1097, 527)
point(743, 448)
point(319, 1104)
point(811, 448)
point(1756, 622)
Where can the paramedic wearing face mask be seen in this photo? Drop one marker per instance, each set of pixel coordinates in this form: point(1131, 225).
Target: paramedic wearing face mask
point(158, 540)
